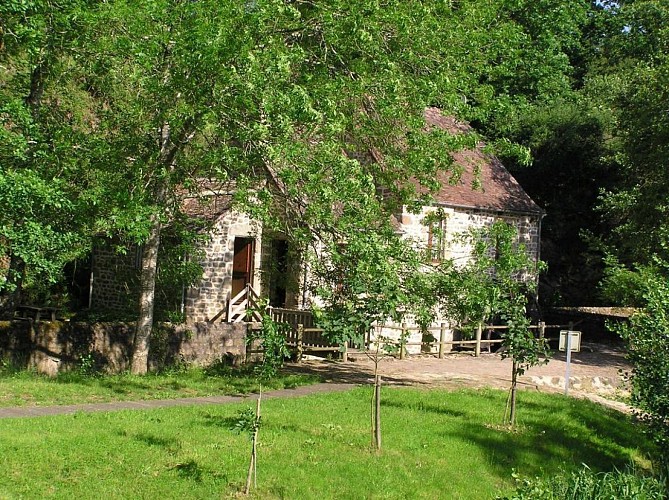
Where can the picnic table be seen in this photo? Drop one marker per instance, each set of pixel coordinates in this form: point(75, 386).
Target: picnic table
point(36, 312)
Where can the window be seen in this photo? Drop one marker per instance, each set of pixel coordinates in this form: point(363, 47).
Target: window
point(436, 235)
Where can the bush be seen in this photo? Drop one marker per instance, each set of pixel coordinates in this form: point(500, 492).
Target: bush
point(647, 336)
point(586, 484)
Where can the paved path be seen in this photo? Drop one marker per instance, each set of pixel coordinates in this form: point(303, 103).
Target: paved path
point(42, 411)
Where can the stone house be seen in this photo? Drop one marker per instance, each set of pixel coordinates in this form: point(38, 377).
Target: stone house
point(239, 254)
point(484, 193)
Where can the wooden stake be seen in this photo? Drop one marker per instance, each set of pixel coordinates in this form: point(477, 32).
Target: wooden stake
point(377, 412)
point(442, 338)
point(253, 464)
point(300, 339)
point(514, 380)
point(479, 333)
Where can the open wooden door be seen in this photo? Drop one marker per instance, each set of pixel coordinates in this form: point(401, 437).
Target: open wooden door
point(242, 264)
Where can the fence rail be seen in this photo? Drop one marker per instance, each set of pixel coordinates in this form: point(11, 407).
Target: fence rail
point(244, 306)
point(477, 342)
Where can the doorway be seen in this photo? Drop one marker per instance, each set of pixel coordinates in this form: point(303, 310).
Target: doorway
point(242, 264)
point(279, 277)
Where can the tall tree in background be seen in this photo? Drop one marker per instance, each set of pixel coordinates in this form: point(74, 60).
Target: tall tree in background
point(638, 248)
point(45, 191)
point(267, 95)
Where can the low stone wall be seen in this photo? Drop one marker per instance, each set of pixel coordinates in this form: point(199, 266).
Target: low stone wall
point(53, 346)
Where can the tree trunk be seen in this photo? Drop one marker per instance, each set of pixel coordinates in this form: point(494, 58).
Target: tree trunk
point(169, 149)
point(377, 413)
point(140, 353)
point(34, 98)
point(514, 381)
point(253, 463)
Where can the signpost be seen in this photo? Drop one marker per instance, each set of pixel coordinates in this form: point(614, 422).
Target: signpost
point(569, 341)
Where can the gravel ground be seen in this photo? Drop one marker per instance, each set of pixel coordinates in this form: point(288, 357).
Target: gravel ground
point(597, 372)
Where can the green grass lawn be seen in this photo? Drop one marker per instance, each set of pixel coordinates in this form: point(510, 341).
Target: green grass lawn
point(436, 444)
point(26, 388)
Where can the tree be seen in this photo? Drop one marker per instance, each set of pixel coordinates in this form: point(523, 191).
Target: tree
point(45, 195)
point(637, 81)
point(647, 335)
point(271, 338)
point(496, 283)
point(568, 144)
point(251, 94)
point(282, 98)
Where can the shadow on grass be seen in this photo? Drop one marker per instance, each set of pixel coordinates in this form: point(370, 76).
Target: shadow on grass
point(220, 421)
point(555, 434)
point(239, 381)
point(348, 373)
point(596, 420)
point(153, 440)
point(189, 470)
point(423, 407)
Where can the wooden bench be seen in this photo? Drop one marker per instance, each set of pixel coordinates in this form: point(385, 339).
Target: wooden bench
point(36, 313)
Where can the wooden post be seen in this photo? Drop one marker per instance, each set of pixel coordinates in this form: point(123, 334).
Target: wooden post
point(479, 332)
point(514, 383)
point(344, 352)
point(442, 338)
point(402, 340)
point(542, 329)
point(300, 337)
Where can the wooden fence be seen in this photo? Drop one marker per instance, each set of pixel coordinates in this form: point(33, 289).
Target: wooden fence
point(243, 306)
point(303, 336)
point(477, 342)
point(292, 317)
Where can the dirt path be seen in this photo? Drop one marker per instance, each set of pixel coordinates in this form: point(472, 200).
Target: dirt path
point(597, 372)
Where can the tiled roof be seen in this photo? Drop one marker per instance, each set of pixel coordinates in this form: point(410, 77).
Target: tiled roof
point(498, 190)
point(212, 200)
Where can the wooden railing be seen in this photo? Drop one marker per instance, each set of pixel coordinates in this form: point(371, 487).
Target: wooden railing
point(293, 317)
point(244, 306)
point(302, 335)
point(312, 340)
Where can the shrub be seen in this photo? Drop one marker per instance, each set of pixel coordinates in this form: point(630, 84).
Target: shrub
point(586, 484)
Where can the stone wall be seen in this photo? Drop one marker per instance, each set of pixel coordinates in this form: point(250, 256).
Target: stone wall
point(458, 221)
point(53, 346)
point(115, 278)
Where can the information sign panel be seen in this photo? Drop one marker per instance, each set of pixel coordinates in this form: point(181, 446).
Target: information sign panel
point(574, 340)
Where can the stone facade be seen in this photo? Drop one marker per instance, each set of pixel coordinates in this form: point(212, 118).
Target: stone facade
point(455, 222)
point(447, 243)
point(115, 278)
point(209, 298)
point(53, 346)
point(485, 192)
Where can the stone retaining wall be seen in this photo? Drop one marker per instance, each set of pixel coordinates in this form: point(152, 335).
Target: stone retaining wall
point(53, 346)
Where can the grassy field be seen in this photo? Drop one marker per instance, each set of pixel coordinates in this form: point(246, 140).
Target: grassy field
point(437, 444)
point(26, 388)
